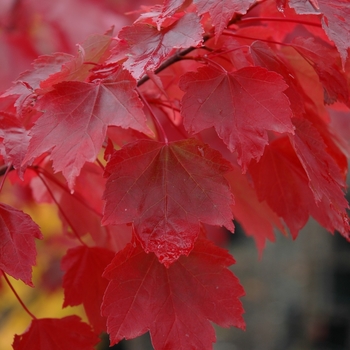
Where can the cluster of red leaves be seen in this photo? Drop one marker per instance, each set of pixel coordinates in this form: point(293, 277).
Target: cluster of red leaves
point(200, 112)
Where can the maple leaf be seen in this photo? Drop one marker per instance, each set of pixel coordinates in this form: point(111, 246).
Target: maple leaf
point(221, 12)
point(298, 178)
point(264, 106)
point(43, 67)
point(241, 106)
point(57, 334)
point(14, 141)
point(325, 179)
point(80, 212)
point(91, 52)
point(148, 47)
point(52, 69)
point(165, 190)
point(334, 20)
point(79, 113)
point(322, 170)
point(333, 141)
point(280, 180)
point(332, 79)
point(169, 7)
point(17, 246)
point(28, 83)
point(83, 282)
point(256, 217)
point(265, 57)
point(159, 14)
point(173, 303)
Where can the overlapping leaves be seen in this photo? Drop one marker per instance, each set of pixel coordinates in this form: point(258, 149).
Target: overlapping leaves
point(247, 96)
point(221, 12)
point(334, 20)
point(166, 190)
point(241, 106)
point(80, 112)
point(83, 282)
point(143, 295)
point(147, 46)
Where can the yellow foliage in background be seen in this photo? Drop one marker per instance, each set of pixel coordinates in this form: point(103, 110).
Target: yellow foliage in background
point(45, 300)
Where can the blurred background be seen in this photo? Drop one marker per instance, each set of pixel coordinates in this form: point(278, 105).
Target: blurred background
point(297, 295)
point(30, 28)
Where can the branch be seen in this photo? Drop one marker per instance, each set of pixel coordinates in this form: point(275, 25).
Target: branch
point(17, 296)
point(4, 169)
point(177, 57)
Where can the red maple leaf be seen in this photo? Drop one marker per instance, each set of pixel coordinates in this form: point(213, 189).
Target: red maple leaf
point(79, 113)
point(334, 20)
point(43, 67)
point(148, 46)
point(14, 141)
point(265, 57)
point(256, 217)
point(52, 69)
point(333, 80)
point(175, 304)
point(17, 244)
point(221, 12)
point(298, 178)
point(57, 334)
point(160, 13)
point(165, 190)
point(281, 181)
point(27, 85)
point(241, 106)
point(80, 212)
point(93, 50)
point(325, 179)
point(254, 93)
point(83, 282)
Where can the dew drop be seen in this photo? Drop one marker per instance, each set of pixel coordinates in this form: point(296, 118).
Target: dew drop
point(281, 5)
point(280, 8)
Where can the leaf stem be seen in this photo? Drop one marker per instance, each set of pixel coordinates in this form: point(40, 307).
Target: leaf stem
point(64, 188)
point(60, 209)
point(230, 33)
point(216, 64)
point(164, 104)
point(159, 126)
point(3, 170)
point(6, 170)
point(175, 58)
point(17, 296)
point(277, 19)
point(178, 127)
point(100, 164)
